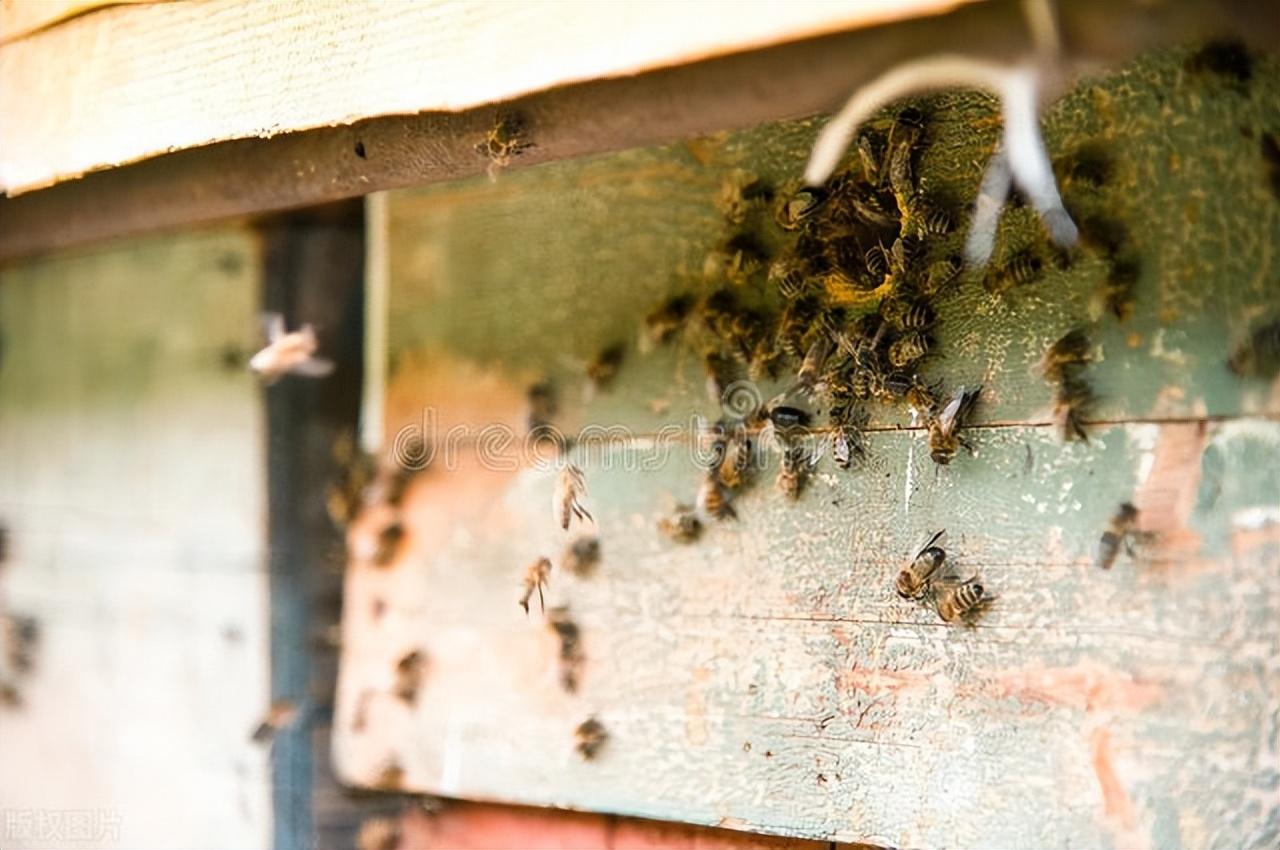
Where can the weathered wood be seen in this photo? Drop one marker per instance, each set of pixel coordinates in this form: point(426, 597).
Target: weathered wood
point(741, 90)
point(131, 481)
point(297, 66)
point(20, 18)
point(767, 677)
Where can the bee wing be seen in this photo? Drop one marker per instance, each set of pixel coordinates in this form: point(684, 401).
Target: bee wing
point(273, 324)
point(947, 418)
point(932, 540)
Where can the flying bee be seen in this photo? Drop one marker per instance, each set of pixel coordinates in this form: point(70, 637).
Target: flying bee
point(1020, 269)
point(566, 501)
point(940, 274)
point(793, 469)
point(505, 139)
point(908, 348)
point(590, 736)
point(914, 578)
point(603, 367)
point(664, 320)
point(788, 275)
point(410, 670)
point(683, 526)
point(388, 546)
point(288, 352)
point(713, 499)
point(793, 210)
point(740, 191)
point(572, 658)
point(535, 578)
point(1259, 355)
point(944, 428)
point(1119, 531)
point(582, 555)
point(959, 600)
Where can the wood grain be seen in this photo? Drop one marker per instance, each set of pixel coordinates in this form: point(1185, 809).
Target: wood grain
point(767, 678)
point(132, 485)
point(158, 78)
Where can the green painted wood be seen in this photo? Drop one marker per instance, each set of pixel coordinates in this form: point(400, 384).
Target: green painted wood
point(767, 677)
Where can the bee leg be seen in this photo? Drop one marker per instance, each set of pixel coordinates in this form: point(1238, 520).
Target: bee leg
point(541, 602)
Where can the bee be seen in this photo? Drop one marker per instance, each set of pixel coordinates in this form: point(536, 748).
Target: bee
point(906, 314)
point(735, 463)
point(958, 600)
point(794, 325)
point(869, 156)
point(944, 428)
point(940, 274)
point(794, 210)
point(566, 501)
point(571, 655)
point(663, 321)
point(740, 191)
point(10, 696)
point(1120, 530)
point(876, 260)
point(1259, 355)
point(505, 139)
point(926, 220)
point(280, 716)
point(1071, 402)
point(713, 499)
point(535, 578)
point(410, 670)
point(541, 398)
point(603, 368)
point(921, 396)
point(390, 777)
point(720, 374)
point(908, 348)
point(793, 470)
point(735, 259)
point(590, 736)
point(914, 578)
point(683, 526)
point(788, 275)
point(389, 539)
point(379, 833)
point(289, 353)
point(22, 634)
point(582, 555)
point(1070, 350)
point(786, 418)
point(847, 442)
point(1117, 289)
point(814, 359)
point(1020, 269)
point(1089, 164)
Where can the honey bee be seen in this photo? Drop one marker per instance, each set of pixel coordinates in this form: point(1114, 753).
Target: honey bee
point(740, 191)
point(541, 398)
point(280, 716)
point(571, 656)
point(720, 375)
point(683, 526)
point(794, 325)
point(410, 670)
point(1070, 350)
point(914, 578)
point(389, 539)
point(735, 260)
point(908, 348)
point(906, 314)
point(1120, 530)
point(505, 139)
point(735, 463)
point(535, 578)
point(1117, 289)
point(814, 359)
point(603, 368)
point(663, 321)
point(793, 470)
point(869, 156)
point(847, 442)
point(926, 220)
point(788, 274)
point(795, 209)
point(289, 352)
point(566, 501)
point(940, 274)
point(1259, 355)
point(581, 556)
point(944, 428)
point(21, 635)
point(958, 600)
point(590, 736)
point(1022, 268)
point(713, 499)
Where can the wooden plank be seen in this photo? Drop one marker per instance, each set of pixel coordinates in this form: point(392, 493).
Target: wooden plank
point(287, 66)
point(20, 18)
point(131, 482)
point(767, 677)
point(740, 90)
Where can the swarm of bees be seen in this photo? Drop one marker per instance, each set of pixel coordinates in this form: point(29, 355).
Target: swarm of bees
point(923, 579)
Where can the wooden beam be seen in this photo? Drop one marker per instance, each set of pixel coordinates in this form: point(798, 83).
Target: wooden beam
point(296, 169)
point(158, 78)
